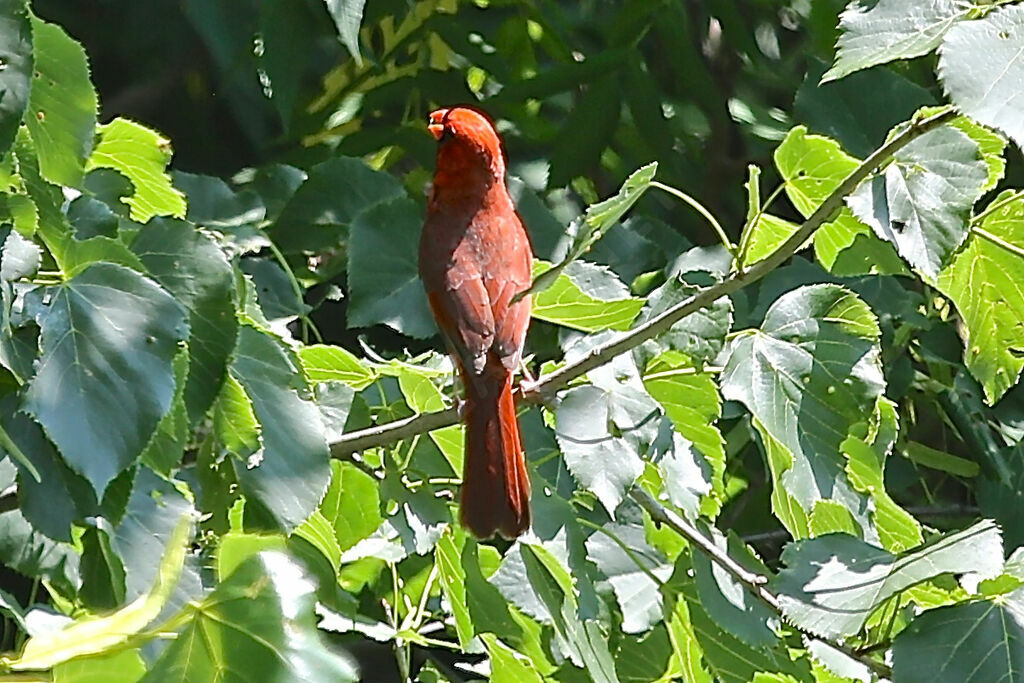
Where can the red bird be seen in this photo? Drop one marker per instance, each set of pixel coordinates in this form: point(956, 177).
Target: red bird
point(474, 258)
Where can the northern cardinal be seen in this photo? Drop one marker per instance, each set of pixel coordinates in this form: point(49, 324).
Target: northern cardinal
point(474, 258)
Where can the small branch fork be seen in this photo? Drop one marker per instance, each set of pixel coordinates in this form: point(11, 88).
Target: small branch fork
point(549, 384)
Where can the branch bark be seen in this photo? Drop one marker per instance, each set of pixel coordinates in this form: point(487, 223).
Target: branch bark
point(547, 386)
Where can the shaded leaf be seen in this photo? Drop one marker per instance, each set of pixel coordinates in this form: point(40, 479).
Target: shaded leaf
point(317, 215)
point(973, 643)
point(105, 376)
point(289, 474)
point(16, 77)
point(383, 275)
point(189, 265)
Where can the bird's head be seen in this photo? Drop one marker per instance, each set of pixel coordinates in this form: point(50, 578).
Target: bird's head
point(467, 142)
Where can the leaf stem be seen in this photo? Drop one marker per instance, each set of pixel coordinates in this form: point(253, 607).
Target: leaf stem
point(548, 385)
point(625, 548)
point(699, 208)
point(998, 241)
point(7, 443)
point(995, 206)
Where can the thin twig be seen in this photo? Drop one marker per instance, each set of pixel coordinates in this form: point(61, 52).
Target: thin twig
point(548, 385)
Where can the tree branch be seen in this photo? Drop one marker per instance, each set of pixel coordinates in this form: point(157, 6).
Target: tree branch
point(754, 583)
point(548, 385)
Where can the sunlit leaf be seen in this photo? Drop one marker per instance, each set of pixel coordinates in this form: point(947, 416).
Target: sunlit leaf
point(832, 583)
point(981, 67)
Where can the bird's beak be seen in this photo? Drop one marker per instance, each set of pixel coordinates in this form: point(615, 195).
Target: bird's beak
point(436, 123)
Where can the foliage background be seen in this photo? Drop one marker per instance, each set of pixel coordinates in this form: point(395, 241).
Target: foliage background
point(268, 108)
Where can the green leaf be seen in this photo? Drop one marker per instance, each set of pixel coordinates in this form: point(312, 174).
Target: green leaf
point(57, 499)
point(347, 15)
point(447, 558)
point(289, 475)
point(981, 68)
point(189, 265)
point(598, 219)
point(141, 155)
point(260, 619)
point(234, 424)
point(974, 643)
point(585, 297)
point(808, 375)
point(62, 106)
point(323, 363)
point(832, 583)
point(351, 504)
point(213, 204)
point(859, 109)
point(691, 401)
point(601, 216)
point(148, 526)
point(891, 29)
point(236, 547)
point(921, 201)
point(635, 570)
point(727, 601)
point(588, 420)
point(383, 275)
point(125, 666)
point(31, 554)
point(727, 657)
point(700, 335)
point(507, 665)
point(286, 31)
point(865, 460)
point(16, 77)
point(766, 235)
point(812, 166)
point(939, 460)
point(586, 645)
point(317, 217)
point(97, 635)
point(983, 282)
point(106, 373)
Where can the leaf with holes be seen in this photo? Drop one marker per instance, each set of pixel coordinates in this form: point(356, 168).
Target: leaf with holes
point(808, 375)
point(985, 283)
point(921, 201)
point(981, 66)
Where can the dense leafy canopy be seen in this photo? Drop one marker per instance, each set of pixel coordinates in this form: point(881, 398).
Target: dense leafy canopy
point(227, 443)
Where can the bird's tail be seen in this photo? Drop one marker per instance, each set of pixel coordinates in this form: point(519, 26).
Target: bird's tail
point(495, 485)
